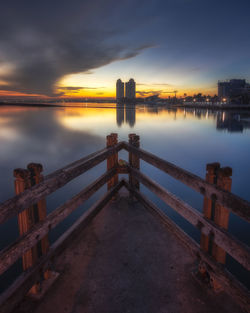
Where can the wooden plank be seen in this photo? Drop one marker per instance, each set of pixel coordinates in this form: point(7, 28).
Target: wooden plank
point(112, 161)
point(238, 250)
point(230, 284)
point(15, 293)
point(228, 200)
point(36, 177)
point(11, 253)
point(26, 219)
point(35, 170)
point(208, 204)
point(52, 182)
point(134, 160)
point(221, 214)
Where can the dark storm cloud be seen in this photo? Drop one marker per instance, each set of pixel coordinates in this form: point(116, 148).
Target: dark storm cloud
point(45, 41)
point(79, 88)
point(149, 92)
point(153, 84)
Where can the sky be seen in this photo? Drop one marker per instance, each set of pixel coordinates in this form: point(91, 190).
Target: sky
point(80, 48)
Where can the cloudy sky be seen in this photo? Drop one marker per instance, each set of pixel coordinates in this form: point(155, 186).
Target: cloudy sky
point(80, 48)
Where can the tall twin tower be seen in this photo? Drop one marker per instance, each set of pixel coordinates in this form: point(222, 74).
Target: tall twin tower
point(129, 90)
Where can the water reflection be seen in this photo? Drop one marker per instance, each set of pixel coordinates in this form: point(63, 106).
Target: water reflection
point(189, 138)
point(233, 122)
point(130, 114)
point(120, 114)
point(125, 112)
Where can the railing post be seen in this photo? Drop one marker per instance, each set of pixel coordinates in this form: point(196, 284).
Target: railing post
point(112, 161)
point(209, 204)
point(218, 214)
point(36, 177)
point(134, 160)
point(221, 214)
point(25, 220)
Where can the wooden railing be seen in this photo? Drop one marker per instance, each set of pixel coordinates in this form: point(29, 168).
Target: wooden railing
point(38, 230)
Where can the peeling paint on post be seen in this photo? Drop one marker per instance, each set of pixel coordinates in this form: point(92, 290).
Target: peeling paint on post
point(26, 220)
point(217, 213)
point(221, 214)
point(36, 177)
point(112, 161)
point(209, 204)
point(134, 160)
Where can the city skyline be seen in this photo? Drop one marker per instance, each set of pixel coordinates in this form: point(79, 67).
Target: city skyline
point(79, 50)
point(125, 90)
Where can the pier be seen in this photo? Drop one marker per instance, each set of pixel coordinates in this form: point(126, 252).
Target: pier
point(124, 254)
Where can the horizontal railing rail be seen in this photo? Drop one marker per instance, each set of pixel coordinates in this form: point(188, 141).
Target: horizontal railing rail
point(230, 201)
point(11, 253)
point(52, 182)
point(34, 224)
point(238, 250)
point(16, 292)
point(32, 196)
point(216, 270)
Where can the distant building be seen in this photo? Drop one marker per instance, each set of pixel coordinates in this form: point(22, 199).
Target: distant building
point(223, 90)
point(119, 90)
point(234, 90)
point(130, 89)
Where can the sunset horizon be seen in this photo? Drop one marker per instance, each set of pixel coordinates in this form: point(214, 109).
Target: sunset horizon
point(182, 45)
point(124, 156)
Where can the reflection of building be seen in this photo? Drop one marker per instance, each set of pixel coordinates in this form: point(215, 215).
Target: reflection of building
point(130, 89)
point(232, 122)
point(119, 114)
point(126, 112)
point(232, 89)
point(119, 90)
point(130, 114)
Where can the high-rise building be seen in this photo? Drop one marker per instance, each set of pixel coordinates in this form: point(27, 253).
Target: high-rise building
point(119, 89)
point(223, 90)
point(130, 89)
point(232, 88)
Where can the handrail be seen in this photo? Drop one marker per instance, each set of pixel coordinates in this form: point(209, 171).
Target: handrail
point(238, 250)
point(223, 276)
point(228, 200)
point(10, 254)
point(15, 293)
point(52, 182)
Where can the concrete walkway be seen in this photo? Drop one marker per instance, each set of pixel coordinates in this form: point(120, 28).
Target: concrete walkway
point(126, 261)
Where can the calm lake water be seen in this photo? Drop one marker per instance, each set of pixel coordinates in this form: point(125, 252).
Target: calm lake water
point(190, 139)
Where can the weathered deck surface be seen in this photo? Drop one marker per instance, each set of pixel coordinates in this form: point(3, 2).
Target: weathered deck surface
point(127, 261)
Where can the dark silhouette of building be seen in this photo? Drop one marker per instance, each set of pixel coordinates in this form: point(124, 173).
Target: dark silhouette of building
point(130, 90)
point(234, 90)
point(119, 90)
